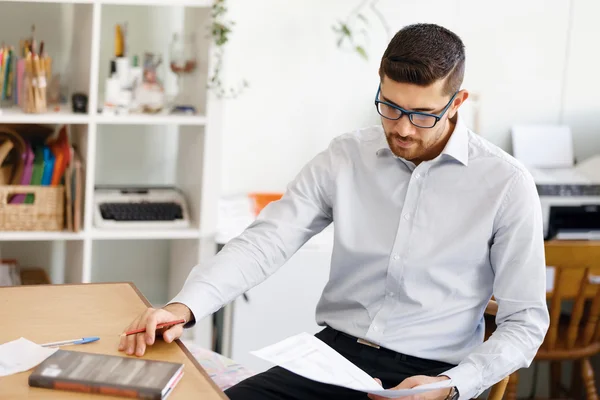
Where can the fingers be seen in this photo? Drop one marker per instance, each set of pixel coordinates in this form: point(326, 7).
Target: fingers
point(122, 343)
point(411, 382)
point(173, 333)
point(131, 343)
point(149, 320)
point(130, 340)
point(140, 344)
point(151, 328)
point(373, 396)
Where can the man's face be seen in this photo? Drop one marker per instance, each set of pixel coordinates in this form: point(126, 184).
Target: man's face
point(406, 140)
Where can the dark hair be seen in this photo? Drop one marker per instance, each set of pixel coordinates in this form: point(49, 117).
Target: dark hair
point(424, 53)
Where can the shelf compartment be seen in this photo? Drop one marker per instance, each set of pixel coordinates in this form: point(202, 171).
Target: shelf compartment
point(143, 262)
point(70, 52)
point(78, 137)
point(163, 155)
point(158, 268)
point(142, 37)
point(61, 256)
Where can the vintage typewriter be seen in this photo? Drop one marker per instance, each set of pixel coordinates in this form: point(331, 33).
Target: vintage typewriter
point(140, 208)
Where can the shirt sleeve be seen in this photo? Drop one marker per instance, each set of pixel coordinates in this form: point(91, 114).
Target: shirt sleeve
point(518, 260)
point(278, 232)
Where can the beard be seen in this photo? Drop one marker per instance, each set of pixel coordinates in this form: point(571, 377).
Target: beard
point(404, 147)
point(414, 148)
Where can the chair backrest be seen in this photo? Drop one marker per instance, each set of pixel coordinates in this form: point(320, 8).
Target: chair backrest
point(576, 266)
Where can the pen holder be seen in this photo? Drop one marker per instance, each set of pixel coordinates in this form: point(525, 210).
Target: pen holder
point(34, 96)
point(34, 85)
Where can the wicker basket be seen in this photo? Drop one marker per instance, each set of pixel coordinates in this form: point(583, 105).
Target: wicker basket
point(46, 213)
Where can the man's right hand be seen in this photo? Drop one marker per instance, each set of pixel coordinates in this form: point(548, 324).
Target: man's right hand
point(149, 319)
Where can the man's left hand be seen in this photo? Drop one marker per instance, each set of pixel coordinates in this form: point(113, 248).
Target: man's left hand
point(418, 380)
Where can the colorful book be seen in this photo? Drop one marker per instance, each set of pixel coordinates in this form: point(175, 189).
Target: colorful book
point(48, 166)
point(6, 73)
point(62, 152)
point(38, 171)
point(28, 158)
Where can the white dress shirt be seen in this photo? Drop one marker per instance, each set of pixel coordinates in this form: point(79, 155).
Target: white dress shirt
point(418, 252)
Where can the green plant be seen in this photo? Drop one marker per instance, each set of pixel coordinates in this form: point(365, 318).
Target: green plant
point(220, 30)
point(352, 30)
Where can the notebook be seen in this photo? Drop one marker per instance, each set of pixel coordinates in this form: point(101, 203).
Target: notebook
point(121, 376)
point(62, 152)
point(49, 160)
point(27, 172)
point(37, 173)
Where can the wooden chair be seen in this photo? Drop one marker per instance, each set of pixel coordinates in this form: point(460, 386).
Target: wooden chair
point(574, 337)
point(497, 391)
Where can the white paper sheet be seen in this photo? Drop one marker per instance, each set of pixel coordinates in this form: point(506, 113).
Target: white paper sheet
point(309, 357)
point(21, 355)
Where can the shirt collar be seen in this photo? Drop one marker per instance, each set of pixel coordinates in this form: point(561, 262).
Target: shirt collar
point(457, 146)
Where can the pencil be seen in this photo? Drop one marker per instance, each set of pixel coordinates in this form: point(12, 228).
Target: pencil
point(158, 326)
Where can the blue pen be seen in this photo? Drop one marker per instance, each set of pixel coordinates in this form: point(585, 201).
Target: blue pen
point(74, 341)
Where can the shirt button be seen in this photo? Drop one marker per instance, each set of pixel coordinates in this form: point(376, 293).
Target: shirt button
point(407, 216)
point(396, 257)
point(391, 294)
point(376, 329)
point(418, 176)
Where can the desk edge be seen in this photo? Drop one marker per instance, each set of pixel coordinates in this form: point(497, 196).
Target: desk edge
point(185, 350)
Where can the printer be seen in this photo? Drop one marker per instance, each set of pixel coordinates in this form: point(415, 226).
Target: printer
point(569, 192)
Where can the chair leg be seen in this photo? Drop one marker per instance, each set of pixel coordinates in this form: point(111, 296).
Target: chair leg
point(576, 391)
point(511, 389)
point(555, 379)
point(587, 373)
point(498, 390)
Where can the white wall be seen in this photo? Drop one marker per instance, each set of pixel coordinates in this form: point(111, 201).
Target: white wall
point(304, 91)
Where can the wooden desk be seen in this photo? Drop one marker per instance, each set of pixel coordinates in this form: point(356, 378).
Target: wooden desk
point(48, 313)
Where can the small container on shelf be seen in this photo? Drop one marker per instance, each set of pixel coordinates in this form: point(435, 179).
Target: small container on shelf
point(25, 72)
point(35, 84)
point(34, 276)
point(45, 213)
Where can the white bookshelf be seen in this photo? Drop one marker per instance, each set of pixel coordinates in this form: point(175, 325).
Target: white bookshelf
point(180, 150)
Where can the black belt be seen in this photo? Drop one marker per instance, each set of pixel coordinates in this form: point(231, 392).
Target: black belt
point(378, 349)
point(373, 346)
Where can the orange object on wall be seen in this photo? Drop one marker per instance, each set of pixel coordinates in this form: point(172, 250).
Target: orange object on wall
point(262, 199)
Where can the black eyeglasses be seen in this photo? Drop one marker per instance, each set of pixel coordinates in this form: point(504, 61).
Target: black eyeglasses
point(418, 119)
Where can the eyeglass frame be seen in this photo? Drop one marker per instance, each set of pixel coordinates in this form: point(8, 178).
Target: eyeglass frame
point(437, 117)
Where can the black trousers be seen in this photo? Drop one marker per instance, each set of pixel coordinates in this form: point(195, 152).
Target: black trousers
point(386, 365)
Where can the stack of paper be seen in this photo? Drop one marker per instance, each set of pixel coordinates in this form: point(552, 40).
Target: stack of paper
point(309, 357)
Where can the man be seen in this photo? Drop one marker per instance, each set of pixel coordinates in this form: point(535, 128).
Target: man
point(430, 220)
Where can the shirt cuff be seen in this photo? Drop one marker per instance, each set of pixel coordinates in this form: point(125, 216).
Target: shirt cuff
point(467, 379)
point(200, 300)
